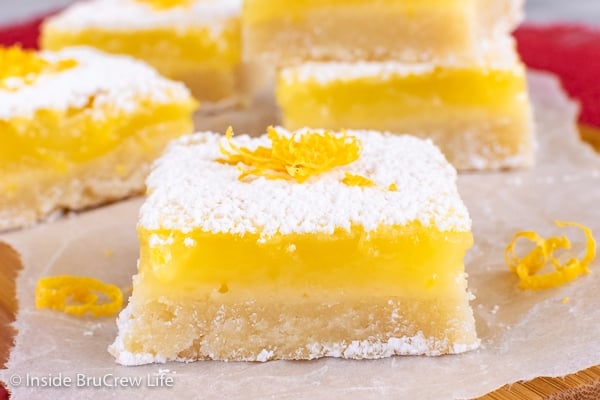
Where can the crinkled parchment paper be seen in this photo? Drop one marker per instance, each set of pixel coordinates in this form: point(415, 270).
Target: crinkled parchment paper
point(524, 334)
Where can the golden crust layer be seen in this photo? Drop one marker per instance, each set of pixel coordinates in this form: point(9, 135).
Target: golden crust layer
point(307, 327)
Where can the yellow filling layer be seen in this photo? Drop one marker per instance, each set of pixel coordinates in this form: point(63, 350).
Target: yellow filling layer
point(412, 260)
point(55, 138)
point(377, 99)
point(166, 4)
point(170, 51)
point(263, 10)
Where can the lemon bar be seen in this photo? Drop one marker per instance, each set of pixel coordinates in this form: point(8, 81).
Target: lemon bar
point(286, 32)
point(479, 115)
point(194, 41)
point(80, 128)
point(299, 245)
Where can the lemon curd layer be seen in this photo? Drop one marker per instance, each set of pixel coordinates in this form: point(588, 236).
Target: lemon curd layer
point(52, 138)
point(79, 136)
point(260, 10)
point(288, 32)
point(480, 116)
point(197, 42)
point(299, 245)
point(392, 260)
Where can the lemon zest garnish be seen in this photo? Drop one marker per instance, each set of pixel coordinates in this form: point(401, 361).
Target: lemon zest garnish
point(351, 179)
point(166, 4)
point(57, 292)
point(565, 300)
point(297, 157)
point(27, 65)
point(393, 187)
point(527, 267)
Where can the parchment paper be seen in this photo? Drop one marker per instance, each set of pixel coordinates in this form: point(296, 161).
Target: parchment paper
point(524, 334)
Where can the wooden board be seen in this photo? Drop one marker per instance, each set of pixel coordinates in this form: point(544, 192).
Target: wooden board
point(10, 264)
point(584, 385)
point(591, 135)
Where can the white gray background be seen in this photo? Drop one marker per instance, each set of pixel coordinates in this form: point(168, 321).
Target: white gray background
point(537, 10)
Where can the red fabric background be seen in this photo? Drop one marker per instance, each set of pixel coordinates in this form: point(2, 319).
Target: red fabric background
point(573, 53)
point(25, 33)
point(3, 392)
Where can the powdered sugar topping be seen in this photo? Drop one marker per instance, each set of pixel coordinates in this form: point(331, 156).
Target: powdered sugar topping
point(116, 83)
point(498, 54)
point(134, 15)
point(188, 190)
point(325, 72)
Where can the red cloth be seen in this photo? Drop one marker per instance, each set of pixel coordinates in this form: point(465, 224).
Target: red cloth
point(3, 393)
point(25, 33)
point(571, 51)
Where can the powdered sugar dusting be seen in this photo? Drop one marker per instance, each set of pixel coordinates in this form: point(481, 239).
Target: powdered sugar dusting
point(118, 350)
point(364, 349)
point(417, 344)
point(189, 242)
point(189, 190)
point(325, 72)
point(127, 15)
point(265, 355)
point(116, 83)
point(498, 54)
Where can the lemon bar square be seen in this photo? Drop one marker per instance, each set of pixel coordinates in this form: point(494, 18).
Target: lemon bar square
point(197, 42)
point(361, 257)
point(80, 128)
point(478, 114)
point(285, 32)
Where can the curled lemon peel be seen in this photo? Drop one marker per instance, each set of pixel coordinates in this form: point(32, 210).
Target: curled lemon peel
point(351, 179)
point(77, 295)
point(297, 157)
point(27, 65)
point(527, 267)
point(166, 4)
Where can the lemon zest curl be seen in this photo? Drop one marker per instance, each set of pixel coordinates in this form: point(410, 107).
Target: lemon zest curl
point(296, 157)
point(527, 268)
point(351, 179)
point(77, 295)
